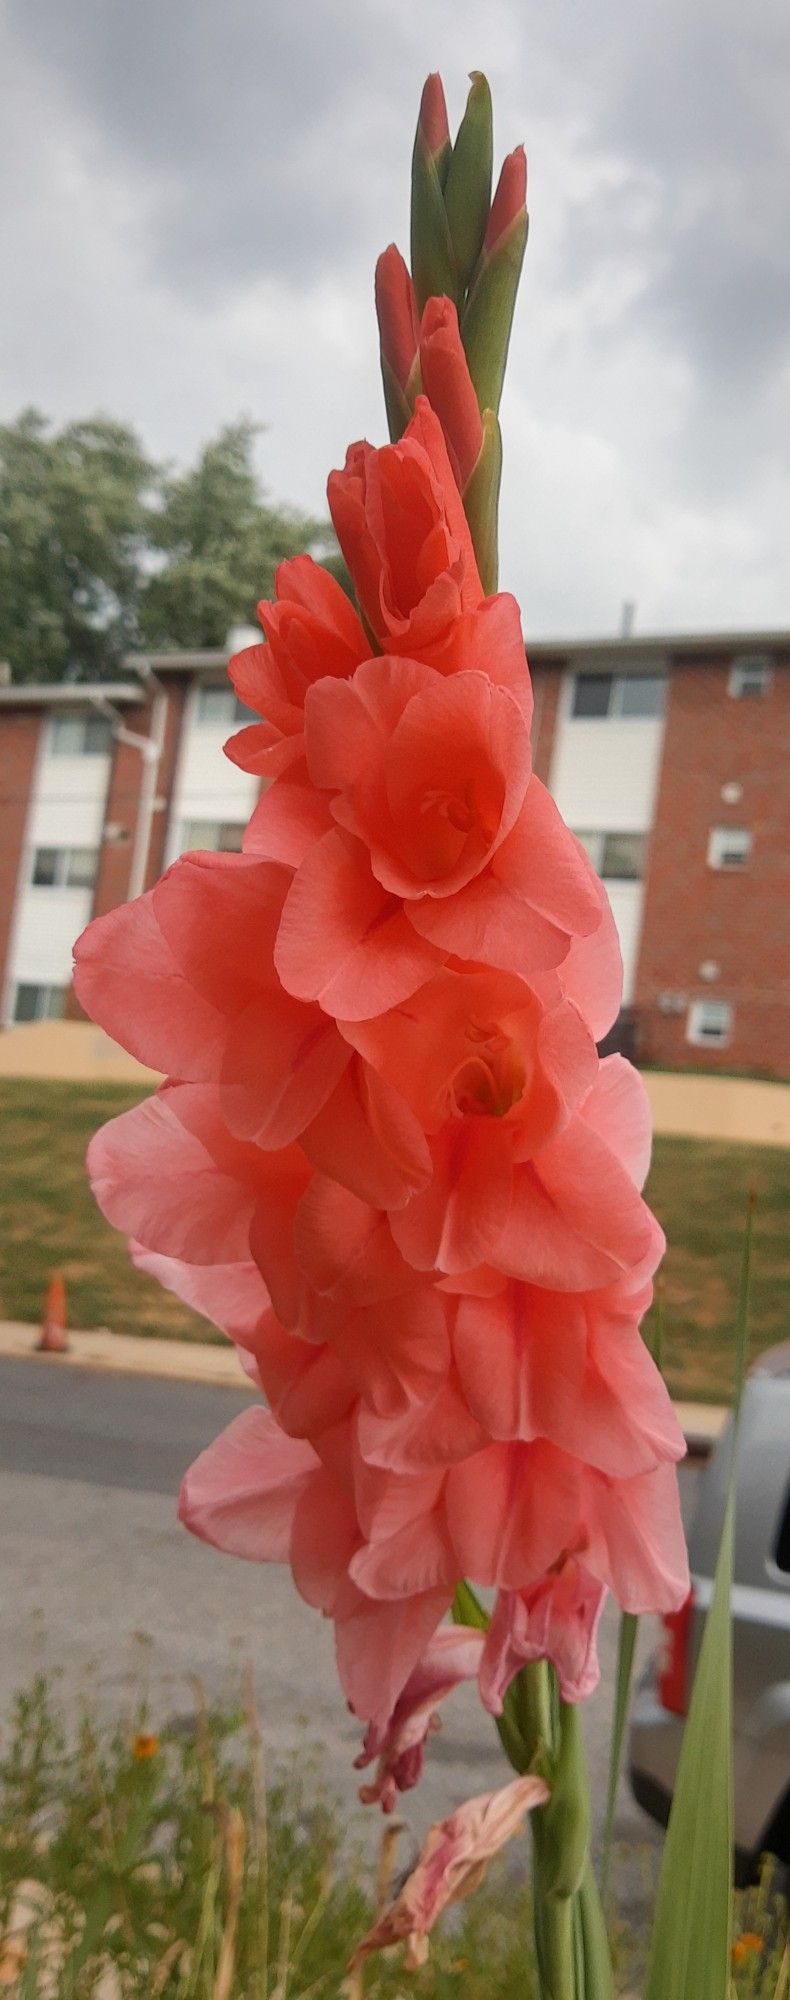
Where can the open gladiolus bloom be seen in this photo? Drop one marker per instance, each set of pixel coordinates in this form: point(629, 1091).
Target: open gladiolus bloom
point(388, 1159)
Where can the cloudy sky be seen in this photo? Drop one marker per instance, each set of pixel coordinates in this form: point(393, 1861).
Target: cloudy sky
point(199, 189)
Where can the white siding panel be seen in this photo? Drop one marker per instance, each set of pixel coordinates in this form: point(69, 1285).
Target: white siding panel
point(207, 785)
point(49, 921)
point(626, 899)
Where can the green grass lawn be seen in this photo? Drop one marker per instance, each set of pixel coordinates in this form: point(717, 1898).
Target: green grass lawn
point(698, 1188)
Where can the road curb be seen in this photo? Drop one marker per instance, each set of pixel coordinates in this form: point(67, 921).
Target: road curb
point(218, 1367)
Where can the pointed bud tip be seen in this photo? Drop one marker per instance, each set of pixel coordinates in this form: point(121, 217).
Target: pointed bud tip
point(396, 312)
point(510, 198)
point(433, 123)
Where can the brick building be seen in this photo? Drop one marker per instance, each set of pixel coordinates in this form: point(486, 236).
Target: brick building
point(669, 757)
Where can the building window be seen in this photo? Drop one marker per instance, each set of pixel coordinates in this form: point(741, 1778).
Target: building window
point(623, 695)
point(79, 736)
point(220, 836)
point(616, 857)
point(640, 694)
point(39, 1003)
point(219, 707)
point(750, 676)
point(64, 867)
point(592, 694)
point(709, 1023)
point(729, 847)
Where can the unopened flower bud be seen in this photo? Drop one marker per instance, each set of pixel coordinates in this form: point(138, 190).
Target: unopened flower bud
point(488, 315)
point(432, 259)
point(399, 335)
point(448, 386)
point(467, 193)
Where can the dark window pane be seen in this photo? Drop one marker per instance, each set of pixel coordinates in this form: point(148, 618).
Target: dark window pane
point(591, 694)
point(26, 1003)
point(623, 857)
point(66, 735)
point(96, 735)
point(230, 837)
point(53, 1003)
point(219, 706)
point(45, 866)
point(642, 694)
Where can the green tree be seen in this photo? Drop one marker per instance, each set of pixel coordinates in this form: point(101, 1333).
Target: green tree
point(74, 508)
point(102, 550)
point(221, 543)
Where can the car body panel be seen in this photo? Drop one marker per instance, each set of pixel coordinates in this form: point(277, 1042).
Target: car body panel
point(761, 1619)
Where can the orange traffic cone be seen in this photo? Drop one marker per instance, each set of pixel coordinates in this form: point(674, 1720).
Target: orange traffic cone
point(54, 1338)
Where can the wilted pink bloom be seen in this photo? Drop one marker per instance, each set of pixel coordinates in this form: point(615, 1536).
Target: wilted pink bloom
point(555, 1619)
point(451, 1865)
point(453, 1655)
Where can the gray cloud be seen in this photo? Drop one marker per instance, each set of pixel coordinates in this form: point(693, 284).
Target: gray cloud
point(203, 185)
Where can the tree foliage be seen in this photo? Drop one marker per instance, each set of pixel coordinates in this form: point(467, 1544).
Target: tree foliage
point(73, 511)
point(102, 549)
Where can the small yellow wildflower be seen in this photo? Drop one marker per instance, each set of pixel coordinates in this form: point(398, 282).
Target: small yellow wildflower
point(144, 1745)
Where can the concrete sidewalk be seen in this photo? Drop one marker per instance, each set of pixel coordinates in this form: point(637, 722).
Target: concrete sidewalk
point(218, 1367)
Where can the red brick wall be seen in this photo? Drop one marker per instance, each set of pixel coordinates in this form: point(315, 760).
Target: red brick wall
point(18, 745)
point(177, 688)
point(547, 683)
point(115, 859)
point(740, 918)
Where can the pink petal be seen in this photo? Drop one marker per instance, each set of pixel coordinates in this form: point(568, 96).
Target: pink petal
point(637, 1545)
point(366, 1137)
point(398, 1350)
point(242, 1493)
point(618, 1110)
point(556, 1619)
point(345, 1248)
point(592, 974)
point(231, 1296)
point(438, 1432)
point(282, 1062)
point(288, 820)
point(167, 1174)
point(343, 941)
point(419, 1558)
point(456, 1222)
point(126, 978)
point(379, 1643)
point(325, 1535)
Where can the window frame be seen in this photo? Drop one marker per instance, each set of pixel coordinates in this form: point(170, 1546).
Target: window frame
point(615, 710)
point(41, 1013)
point(62, 866)
point(695, 1035)
point(718, 838)
point(99, 725)
point(594, 839)
point(222, 825)
point(758, 666)
point(238, 712)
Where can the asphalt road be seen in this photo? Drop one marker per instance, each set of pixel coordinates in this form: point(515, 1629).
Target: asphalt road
point(100, 1583)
